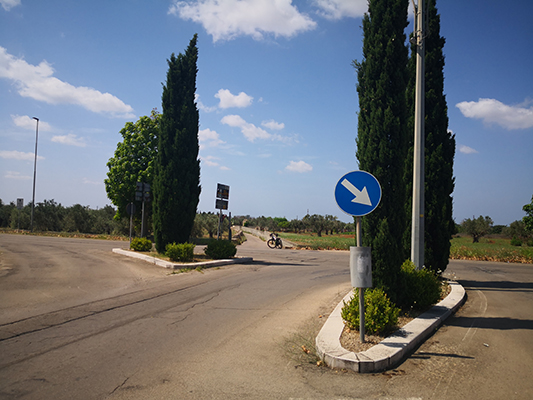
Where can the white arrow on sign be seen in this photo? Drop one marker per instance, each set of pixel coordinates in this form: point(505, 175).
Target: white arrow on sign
point(361, 196)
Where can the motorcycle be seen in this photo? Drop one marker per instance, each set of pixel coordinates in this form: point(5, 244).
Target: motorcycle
point(274, 242)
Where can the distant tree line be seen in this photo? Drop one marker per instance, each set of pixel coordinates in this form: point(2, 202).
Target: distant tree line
point(520, 231)
point(319, 224)
point(52, 216)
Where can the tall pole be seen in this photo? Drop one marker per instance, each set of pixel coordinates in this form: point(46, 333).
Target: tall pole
point(417, 233)
point(34, 171)
point(361, 290)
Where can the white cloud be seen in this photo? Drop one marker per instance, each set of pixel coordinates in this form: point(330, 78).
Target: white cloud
point(38, 83)
point(16, 175)
point(299, 166)
point(69, 140)
point(201, 106)
point(26, 122)
point(227, 19)
point(250, 131)
point(337, 9)
point(273, 125)
point(89, 182)
point(209, 161)
point(467, 150)
point(209, 138)
point(19, 155)
point(9, 4)
point(492, 111)
point(228, 100)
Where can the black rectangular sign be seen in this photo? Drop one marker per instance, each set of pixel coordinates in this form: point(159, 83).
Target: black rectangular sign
point(221, 204)
point(222, 191)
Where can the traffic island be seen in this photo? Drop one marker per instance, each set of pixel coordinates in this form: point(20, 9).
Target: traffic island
point(172, 265)
point(392, 350)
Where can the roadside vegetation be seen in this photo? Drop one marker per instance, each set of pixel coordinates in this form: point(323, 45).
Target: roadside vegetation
point(513, 243)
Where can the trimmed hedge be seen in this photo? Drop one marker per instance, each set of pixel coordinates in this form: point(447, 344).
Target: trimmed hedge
point(141, 244)
point(220, 249)
point(419, 288)
point(180, 252)
point(381, 315)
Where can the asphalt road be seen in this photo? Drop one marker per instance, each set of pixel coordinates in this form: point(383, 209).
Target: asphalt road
point(77, 321)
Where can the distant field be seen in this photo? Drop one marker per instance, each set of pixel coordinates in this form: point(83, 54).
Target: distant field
point(326, 242)
point(488, 249)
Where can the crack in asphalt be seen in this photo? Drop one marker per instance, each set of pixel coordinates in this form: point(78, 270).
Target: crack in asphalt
point(109, 327)
point(7, 328)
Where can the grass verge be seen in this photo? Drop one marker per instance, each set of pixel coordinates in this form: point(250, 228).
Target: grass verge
point(490, 249)
point(462, 248)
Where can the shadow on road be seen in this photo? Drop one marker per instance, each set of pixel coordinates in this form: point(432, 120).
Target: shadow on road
point(500, 323)
point(498, 285)
point(427, 355)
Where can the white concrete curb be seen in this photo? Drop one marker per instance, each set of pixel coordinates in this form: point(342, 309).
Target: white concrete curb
point(392, 350)
point(168, 264)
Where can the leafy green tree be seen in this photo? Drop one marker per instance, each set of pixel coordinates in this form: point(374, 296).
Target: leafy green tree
point(103, 220)
point(176, 187)
point(48, 216)
point(79, 219)
point(331, 223)
point(20, 219)
point(207, 222)
point(439, 150)
point(5, 213)
point(296, 225)
point(281, 224)
point(316, 222)
point(516, 229)
point(133, 162)
point(477, 227)
point(382, 134)
point(528, 219)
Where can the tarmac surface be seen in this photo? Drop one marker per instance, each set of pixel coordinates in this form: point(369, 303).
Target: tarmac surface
point(386, 355)
point(78, 321)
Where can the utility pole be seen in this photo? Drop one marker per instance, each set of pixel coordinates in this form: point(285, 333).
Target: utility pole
point(417, 233)
point(34, 171)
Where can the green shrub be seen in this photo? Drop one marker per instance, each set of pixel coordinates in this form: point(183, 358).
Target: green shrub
point(220, 249)
point(419, 288)
point(516, 242)
point(180, 252)
point(381, 315)
point(141, 244)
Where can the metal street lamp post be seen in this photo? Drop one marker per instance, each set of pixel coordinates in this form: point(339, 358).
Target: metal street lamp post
point(34, 170)
point(417, 233)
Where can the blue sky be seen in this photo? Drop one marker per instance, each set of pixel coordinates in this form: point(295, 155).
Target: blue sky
point(276, 93)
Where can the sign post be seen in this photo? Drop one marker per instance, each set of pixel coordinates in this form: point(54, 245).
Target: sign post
point(20, 206)
point(142, 193)
point(358, 193)
point(130, 209)
point(221, 203)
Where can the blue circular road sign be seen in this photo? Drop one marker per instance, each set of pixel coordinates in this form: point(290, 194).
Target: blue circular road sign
point(358, 193)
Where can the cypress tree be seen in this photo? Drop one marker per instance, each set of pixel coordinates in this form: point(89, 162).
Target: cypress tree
point(381, 134)
point(439, 150)
point(176, 188)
